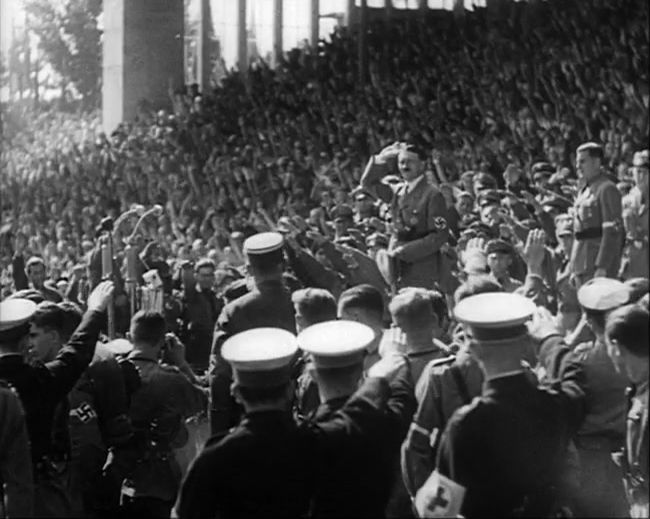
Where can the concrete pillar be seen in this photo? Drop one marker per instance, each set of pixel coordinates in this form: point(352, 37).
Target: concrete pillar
point(388, 9)
point(142, 56)
point(314, 21)
point(242, 37)
point(277, 31)
point(204, 65)
point(349, 13)
point(363, 42)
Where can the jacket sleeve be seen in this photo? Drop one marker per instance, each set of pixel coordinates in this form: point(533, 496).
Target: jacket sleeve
point(18, 272)
point(565, 377)
point(76, 355)
point(436, 226)
point(609, 252)
point(15, 471)
point(371, 180)
point(312, 273)
point(220, 377)
point(418, 454)
point(363, 414)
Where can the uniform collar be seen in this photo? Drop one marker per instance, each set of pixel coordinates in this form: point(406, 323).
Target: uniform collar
point(410, 186)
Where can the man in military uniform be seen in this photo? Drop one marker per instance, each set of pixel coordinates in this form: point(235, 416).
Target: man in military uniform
point(42, 388)
point(597, 221)
point(162, 398)
point(636, 259)
point(600, 492)
point(418, 212)
point(16, 479)
point(268, 305)
point(445, 385)
point(627, 339)
point(95, 413)
point(356, 477)
point(271, 465)
point(501, 455)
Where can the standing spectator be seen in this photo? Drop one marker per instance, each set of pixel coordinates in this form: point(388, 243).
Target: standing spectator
point(36, 275)
point(418, 216)
point(636, 259)
point(201, 309)
point(597, 221)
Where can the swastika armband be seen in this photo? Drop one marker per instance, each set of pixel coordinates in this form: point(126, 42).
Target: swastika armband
point(439, 223)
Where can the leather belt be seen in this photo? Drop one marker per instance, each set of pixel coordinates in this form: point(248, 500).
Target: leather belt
point(591, 232)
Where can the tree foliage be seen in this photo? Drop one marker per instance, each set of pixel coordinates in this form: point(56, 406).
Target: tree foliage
point(71, 42)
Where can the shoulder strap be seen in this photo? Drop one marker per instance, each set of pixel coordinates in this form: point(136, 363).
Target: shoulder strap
point(454, 369)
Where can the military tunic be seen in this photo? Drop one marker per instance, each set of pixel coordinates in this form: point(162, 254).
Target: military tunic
point(636, 219)
point(269, 305)
point(158, 411)
point(598, 230)
point(601, 490)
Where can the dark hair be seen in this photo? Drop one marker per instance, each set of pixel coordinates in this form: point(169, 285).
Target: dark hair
point(34, 260)
point(366, 297)
point(49, 316)
point(479, 284)
point(71, 320)
point(148, 327)
point(593, 149)
point(262, 395)
point(628, 325)
point(316, 305)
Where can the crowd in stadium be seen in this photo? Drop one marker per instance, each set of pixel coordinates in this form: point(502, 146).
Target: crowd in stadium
point(484, 162)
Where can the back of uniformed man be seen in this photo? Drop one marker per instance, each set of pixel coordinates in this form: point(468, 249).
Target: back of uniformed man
point(267, 466)
point(163, 399)
point(268, 305)
point(356, 476)
point(501, 455)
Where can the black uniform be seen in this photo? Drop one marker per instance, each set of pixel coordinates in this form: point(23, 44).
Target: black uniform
point(269, 305)
point(355, 477)
point(268, 465)
point(507, 447)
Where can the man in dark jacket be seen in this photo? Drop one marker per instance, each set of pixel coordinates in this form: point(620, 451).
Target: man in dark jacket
point(42, 387)
point(268, 305)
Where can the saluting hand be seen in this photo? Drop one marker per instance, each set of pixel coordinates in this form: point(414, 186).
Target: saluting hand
point(101, 296)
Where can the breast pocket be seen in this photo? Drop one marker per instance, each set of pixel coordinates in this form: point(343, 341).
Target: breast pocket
point(589, 213)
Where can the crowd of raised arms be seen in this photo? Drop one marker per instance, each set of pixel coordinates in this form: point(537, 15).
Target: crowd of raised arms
point(302, 294)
